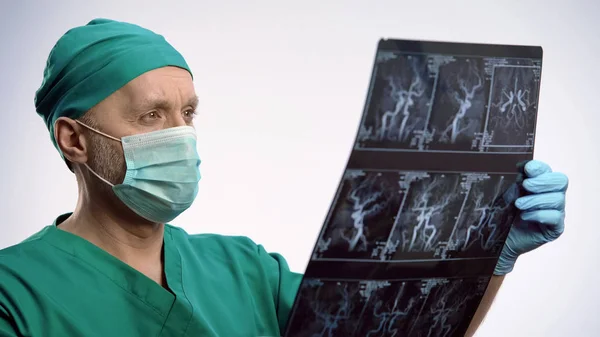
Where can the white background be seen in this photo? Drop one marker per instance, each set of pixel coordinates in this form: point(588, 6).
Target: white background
point(282, 87)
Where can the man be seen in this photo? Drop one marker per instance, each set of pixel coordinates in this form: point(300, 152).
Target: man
point(119, 103)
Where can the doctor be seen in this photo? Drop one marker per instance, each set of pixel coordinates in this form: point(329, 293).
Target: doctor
point(119, 104)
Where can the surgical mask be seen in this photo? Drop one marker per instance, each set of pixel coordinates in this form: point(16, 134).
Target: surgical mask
point(162, 172)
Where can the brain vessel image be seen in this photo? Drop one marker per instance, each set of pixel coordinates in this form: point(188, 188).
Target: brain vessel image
point(452, 216)
point(485, 219)
point(513, 109)
point(363, 215)
point(421, 308)
point(399, 102)
point(428, 215)
point(459, 105)
point(399, 216)
point(431, 102)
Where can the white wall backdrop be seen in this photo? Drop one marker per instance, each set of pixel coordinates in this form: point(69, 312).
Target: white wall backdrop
point(282, 87)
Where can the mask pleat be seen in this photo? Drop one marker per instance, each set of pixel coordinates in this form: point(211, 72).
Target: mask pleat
point(162, 173)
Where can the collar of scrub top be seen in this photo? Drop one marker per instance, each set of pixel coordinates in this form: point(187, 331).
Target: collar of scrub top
point(129, 279)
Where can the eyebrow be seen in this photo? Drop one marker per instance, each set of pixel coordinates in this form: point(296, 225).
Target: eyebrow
point(193, 101)
point(161, 103)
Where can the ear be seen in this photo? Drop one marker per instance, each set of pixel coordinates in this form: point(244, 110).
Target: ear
point(69, 138)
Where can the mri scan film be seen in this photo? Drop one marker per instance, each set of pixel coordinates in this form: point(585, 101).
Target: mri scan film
point(426, 201)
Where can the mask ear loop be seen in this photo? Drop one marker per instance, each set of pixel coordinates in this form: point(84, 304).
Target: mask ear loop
point(96, 131)
point(105, 135)
point(98, 176)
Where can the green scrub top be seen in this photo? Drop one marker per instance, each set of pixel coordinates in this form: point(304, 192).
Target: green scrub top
point(56, 284)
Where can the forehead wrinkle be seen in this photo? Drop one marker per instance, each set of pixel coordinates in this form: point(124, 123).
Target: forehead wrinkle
point(151, 102)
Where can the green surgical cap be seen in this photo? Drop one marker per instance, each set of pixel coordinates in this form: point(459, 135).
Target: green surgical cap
point(89, 63)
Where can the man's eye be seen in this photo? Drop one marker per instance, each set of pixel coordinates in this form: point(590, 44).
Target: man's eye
point(189, 113)
point(151, 115)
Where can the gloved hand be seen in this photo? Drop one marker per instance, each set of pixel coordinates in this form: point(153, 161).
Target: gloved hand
point(542, 214)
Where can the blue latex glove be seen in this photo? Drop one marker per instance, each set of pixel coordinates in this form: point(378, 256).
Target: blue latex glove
point(541, 216)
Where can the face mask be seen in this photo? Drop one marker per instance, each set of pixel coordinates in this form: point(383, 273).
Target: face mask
point(162, 172)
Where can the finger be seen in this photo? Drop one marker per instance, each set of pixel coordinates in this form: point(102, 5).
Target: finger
point(555, 200)
point(547, 182)
point(551, 222)
point(534, 168)
point(544, 216)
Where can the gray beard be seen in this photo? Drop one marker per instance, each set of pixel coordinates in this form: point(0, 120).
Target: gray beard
point(106, 159)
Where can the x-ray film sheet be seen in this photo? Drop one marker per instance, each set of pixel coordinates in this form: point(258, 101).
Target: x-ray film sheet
point(426, 201)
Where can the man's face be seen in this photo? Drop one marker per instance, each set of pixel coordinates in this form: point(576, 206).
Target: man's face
point(159, 99)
